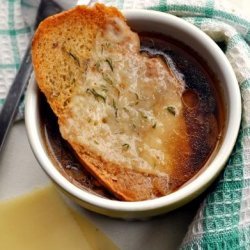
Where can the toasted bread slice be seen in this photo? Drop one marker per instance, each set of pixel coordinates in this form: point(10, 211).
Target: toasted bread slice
point(120, 110)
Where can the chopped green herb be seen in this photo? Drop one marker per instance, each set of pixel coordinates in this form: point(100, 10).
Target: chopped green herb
point(171, 110)
point(125, 146)
point(133, 125)
point(96, 142)
point(85, 65)
point(137, 100)
point(134, 103)
point(115, 108)
point(154, 125)
point(105, 45)
point(107, 79)
point(98, 66)
point(104, 88)
point(125, 109)
point(74, 57)
point(96, 95)
point(109, 62)
point(143, 115)
point(117, 90)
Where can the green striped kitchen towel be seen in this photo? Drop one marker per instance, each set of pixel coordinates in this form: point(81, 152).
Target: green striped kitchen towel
point(223, 220)
point(14, 35)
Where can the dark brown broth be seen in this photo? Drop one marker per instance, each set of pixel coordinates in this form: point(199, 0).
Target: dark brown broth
point(203, 108)
point(203, 113)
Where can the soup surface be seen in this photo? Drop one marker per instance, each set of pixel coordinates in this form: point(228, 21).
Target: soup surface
point(203, 115)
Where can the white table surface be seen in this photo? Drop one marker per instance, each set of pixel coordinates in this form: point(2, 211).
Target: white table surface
point(20, 173)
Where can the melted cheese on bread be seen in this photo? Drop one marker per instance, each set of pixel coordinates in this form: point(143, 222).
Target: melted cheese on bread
point(128, 107)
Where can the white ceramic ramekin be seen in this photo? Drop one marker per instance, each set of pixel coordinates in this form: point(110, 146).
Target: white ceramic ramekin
point(152, 21)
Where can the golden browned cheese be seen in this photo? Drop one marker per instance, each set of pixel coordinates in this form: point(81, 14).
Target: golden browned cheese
point(120, 110)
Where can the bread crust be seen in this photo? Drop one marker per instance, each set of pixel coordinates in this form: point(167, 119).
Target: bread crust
point(125, 183)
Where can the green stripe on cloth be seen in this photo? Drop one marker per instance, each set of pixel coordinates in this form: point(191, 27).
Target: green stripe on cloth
point(163, 6)
point(14, 32)
point(228, 185)
point(209, 8)
point(245, 84)
point(201, 10)
point(2, 101)
point(9, 66)
point(232, 18)
point(11, 23)
point(27, 5)
point(233, 242)
point(183, 8)
point(248, 36)
point(198, 21)
point(246, 131)
point(225, 240)
point(235, 40)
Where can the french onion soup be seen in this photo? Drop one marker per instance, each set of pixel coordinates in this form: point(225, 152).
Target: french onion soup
point(170, 130)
